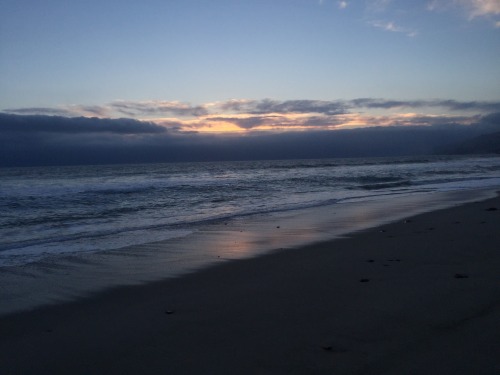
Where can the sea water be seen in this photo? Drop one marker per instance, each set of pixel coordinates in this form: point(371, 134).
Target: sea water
point(66, 232)
point(57, 211)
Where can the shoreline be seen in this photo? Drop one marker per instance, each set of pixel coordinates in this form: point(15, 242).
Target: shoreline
point(419, 296)
point(59, 279)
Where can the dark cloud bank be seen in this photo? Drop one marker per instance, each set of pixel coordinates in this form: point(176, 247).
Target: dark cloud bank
point(53, 140)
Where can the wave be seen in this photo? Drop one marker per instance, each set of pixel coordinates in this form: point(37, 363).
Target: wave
point(106, 208)
point(386, 185)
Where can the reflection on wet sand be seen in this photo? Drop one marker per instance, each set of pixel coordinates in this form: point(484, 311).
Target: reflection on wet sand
point(59, 279)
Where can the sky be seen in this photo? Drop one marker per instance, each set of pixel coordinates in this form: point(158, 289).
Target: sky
point(232, 67)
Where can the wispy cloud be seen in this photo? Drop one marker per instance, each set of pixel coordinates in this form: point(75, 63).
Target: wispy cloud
point(453, 105)
point(67, 111)
point(385, 15)
point(482, 7)
point(336, 107)
point(287, 106)
point(487, 9)
point(342, 4)
point(393, 27)
point(157, 107)
point(40, 111)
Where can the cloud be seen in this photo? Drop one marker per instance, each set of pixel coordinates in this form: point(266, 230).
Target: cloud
point(338, 107)
point(384, 15)
point(252, 115)
point(120, 108)
point(48, 140)
point(299, 106)
point(470, 105)
point(157, 107)
point(393, 27)
point(247, 122)
point(68, 111)
point(95, 110)
point(287, 106)
point(243, 115)
point(453, 105)
point(36, 124)
point(342, 4)
point(472, 8)
point(480, 8)
point(185, 112)
point(283, 122)
point(40, 111)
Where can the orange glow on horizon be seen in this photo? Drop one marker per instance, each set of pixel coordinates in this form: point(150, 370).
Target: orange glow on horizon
point(243, 123)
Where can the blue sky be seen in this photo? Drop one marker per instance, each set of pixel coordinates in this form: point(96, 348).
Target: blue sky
point(187, 64)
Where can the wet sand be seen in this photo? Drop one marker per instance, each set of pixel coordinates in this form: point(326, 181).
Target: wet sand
point(419, 296)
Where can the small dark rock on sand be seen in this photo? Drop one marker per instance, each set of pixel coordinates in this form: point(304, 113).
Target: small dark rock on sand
point(492, 209)
point(329, 348)
point(461, 276)
point(364, 280)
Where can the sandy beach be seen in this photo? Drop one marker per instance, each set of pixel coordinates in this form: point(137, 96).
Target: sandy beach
point(418, 296)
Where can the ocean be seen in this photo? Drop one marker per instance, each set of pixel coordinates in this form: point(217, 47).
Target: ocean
point(73, 220)
point(49, 211)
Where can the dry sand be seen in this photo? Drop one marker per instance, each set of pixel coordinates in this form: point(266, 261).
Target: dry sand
point(420, 296)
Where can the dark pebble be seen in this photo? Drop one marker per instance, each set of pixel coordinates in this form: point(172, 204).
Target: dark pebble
point(492, 209)
point(461, 276)
point(333, 349)
point(364, 280)
point(169, 312)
